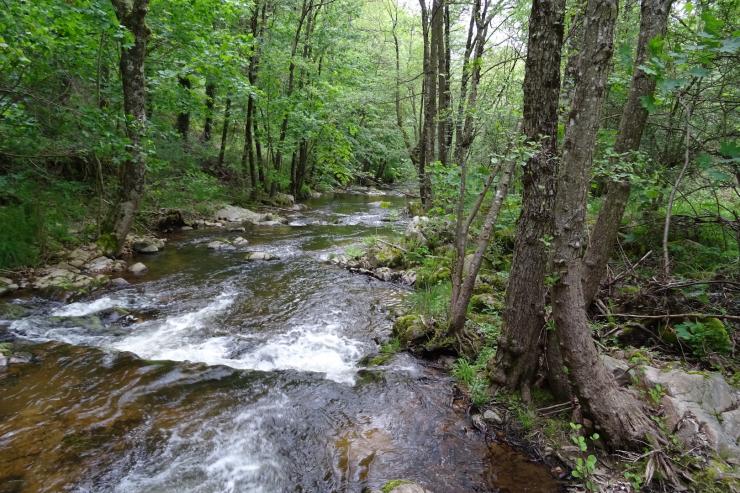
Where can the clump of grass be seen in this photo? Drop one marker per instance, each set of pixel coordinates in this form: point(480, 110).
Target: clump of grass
point(472, 375)
point(431, 302)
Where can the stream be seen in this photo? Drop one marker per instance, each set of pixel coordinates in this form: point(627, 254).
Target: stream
point(224, 375)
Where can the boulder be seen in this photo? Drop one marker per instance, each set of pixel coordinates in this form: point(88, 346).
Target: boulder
point(146, 244)
point(702, 408)
point(220, 245)
point(138, 268)
point(58, 278)
point(492, 416)
point(261, 256)
point(409, 328)
point(414, 230)
point(142, 247)
point(283, 200)
point(234, 214)
point(119, 282)
point(7, 286)
point(239, 241)
point(100, 265)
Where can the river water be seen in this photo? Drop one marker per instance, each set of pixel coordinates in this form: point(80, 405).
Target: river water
point(215, 374)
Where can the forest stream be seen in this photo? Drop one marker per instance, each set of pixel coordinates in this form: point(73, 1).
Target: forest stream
point(222, 374)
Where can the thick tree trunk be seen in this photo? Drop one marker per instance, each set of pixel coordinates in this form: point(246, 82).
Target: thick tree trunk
point(653, 22)
point(429, 96)
point(132, 15)
point(183, 118)
point(522, 335)
point(210, 101)
point(617, 413)
point(443, 99)
point(224, 133)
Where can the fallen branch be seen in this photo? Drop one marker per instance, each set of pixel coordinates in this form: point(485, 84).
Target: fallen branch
point(674, 315)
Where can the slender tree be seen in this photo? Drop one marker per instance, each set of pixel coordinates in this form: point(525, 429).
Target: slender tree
point(653, 23)
point(132, 15)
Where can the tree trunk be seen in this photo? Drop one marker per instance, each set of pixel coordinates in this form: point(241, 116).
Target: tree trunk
point(442, 112)
point(132, 15)
point(210, 101)
point(278, 162)
point(521, 340)
point(224, 133)
point(653, 22)
point(617, 413)
point(459, 306)
point(183, 118)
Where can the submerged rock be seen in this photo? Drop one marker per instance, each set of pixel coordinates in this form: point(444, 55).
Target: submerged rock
point(220, 245)
point(138, 268)
point(261, 256)
point(11, 311)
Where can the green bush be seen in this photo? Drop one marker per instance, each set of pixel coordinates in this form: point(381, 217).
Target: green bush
point(708, 336)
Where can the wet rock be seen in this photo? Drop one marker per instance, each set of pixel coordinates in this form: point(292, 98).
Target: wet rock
point(212, 224)
point(146, 244)
point(101, 265)
point(236, 229)
point(11, 311)
point(80, 256)
point(492, 416)
point(402, 486)
point(20, 359)
point(700, 407)
point(414, 230)
point(119, 282)
point(409, 328)
point(239, 241)
point(57, 278)
point(90, 323)
point(220, 245)
point(186, 228)
point(141, 247)
point(234, 214)
point(315, 195)
point(138, 268)
point(7, 286)
point(261, 256)
point(283, 200)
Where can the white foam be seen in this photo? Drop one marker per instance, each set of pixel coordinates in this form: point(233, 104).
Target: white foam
point(82, 308)
point(225, 453)
point(315, 349)
point(171, 338)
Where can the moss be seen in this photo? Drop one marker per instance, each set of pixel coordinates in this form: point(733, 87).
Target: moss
point(409, 328)
point(426, 277)
point(486, 302)
point(392, 484)
point(415, 208)
point(10, 311)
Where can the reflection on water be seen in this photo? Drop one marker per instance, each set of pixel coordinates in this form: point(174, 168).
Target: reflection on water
point(246, 378)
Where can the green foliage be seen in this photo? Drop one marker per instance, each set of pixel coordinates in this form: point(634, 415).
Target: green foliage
point(585, 466)
point(431, 302)
point(472, 375)
point(705, 336)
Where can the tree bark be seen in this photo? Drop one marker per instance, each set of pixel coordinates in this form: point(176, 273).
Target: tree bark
point(132, 15)
point(459, 305)
point(210, 101)
point(617, 413)
point(653, 22)
point(224, 133)
point(521, 340)
point(183, 118)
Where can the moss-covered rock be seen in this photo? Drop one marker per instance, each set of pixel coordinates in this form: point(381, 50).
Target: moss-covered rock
point(486, 302)
point(428, 276)
point(409, 328)
point(11, 311)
